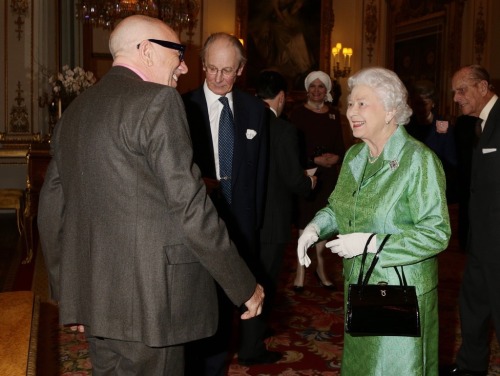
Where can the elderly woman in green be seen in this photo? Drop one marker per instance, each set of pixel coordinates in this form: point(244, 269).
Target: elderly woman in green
point(389, 184)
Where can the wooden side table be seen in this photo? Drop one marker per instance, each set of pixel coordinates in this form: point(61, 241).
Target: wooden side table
point(13, 199)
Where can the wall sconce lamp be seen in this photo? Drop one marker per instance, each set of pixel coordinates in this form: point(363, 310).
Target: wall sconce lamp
point(347, 53)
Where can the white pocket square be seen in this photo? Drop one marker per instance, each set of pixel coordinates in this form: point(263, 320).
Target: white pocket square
point(489, 150)
point(251, 134)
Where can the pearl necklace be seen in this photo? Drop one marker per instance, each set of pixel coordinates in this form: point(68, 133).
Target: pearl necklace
point(314, 106)
point(372, 159)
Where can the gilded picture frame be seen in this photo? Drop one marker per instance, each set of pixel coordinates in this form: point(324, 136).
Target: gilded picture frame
point(291, 36)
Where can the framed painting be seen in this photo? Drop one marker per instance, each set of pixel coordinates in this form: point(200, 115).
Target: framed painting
point(423, 44)
point(418, 52)
point(290, 36)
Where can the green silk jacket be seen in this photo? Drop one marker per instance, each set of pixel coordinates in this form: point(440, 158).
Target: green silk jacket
point(403, 195)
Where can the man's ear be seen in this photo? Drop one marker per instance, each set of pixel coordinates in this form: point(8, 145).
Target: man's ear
point(240, 69)
point(483, 87)
point(282, 96)
point(146, 53)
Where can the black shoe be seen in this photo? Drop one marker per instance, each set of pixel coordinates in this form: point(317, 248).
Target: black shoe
point(330, 287)
point(455, 370)
point(266, 357)
point(298, 289)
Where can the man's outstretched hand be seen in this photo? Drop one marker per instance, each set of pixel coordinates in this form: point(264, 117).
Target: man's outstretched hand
point(254, 304)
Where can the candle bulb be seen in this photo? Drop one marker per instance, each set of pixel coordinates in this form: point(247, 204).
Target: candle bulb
point(332, 61)
point(334, 53)
point(59, 108)
point(338, 46)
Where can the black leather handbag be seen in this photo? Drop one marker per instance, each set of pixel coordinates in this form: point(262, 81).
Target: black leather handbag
point(381, 309)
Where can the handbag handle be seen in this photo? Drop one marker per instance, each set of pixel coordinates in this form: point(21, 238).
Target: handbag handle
point(402, 282)
point(374, 262)
point(365, 252)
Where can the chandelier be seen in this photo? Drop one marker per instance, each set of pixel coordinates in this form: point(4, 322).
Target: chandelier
point(181, 15)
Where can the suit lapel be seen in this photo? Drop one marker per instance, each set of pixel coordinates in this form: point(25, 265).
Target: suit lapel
point(204, 128)
point(390, 154)
point(358, 163)
point(489, 126)
point(240, 126)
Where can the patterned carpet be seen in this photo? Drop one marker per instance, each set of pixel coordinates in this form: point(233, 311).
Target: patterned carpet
point(308, 326)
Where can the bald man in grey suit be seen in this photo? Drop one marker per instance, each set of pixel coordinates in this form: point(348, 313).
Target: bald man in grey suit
point(131, 241)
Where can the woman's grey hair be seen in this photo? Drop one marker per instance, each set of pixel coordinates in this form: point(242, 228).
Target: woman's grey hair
point(388, 87)
point(235, 42)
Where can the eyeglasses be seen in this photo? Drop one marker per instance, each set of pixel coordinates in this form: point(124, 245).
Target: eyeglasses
point(167, 44)
point(226, 72)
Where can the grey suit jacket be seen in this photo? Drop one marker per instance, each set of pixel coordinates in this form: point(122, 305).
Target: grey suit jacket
point(130, 239)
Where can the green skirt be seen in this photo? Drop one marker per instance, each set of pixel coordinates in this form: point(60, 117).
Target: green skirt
point(396, 356)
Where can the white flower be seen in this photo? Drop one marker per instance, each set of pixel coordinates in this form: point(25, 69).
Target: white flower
point(71, 82)
point(250, 134)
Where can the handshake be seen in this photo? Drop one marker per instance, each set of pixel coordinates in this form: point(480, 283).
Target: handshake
point(348, 245)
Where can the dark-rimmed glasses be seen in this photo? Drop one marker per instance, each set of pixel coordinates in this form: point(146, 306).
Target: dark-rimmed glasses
point(167, 44)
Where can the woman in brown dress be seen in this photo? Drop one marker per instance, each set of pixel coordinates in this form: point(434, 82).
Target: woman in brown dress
point(322, 146)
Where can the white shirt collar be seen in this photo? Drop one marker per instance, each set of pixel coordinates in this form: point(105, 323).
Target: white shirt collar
point(486, 110)
point(211, 97)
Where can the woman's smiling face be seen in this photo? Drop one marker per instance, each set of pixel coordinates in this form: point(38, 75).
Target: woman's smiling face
point(317, 91)
point(366, 113)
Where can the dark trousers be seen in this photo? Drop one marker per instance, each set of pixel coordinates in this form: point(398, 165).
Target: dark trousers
point(271, 257)
point(114, 357)
point(210, 356)
point(253, 331)
point(479, 304)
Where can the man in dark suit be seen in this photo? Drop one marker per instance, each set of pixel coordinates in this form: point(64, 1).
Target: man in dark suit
point(131, 242)
point(479, 299)
point(223, 61)
point(286, 178)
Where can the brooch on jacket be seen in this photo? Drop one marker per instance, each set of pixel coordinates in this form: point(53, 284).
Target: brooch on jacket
point(393, 165)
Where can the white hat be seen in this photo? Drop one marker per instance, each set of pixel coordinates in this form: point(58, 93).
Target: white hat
point(323, 77)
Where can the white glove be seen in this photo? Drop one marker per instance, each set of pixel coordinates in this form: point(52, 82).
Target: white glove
point(308, 238)
point(351, 245)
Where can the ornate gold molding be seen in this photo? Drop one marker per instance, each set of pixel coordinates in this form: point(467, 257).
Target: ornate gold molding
point(18, 122)
point(20, 7)
point(479, 34)
point(371, 27)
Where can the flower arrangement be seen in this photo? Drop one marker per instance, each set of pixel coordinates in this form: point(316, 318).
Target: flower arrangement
point(71, 82)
